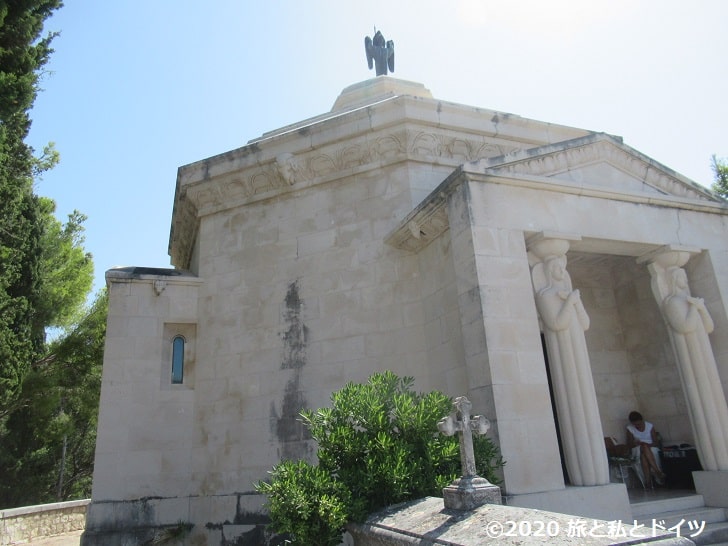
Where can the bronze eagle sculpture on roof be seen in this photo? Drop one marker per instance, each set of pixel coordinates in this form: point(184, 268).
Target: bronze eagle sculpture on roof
point(380, 54)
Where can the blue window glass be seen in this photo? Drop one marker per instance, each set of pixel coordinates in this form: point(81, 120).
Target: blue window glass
point(178, 359)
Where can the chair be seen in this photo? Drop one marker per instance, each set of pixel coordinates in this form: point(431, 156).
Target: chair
point(622, 458)
point(622, 466)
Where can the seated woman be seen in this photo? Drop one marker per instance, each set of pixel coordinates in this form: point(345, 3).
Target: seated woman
point(642, 438)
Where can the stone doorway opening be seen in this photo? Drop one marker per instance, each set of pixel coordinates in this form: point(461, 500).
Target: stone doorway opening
point(554, 412)
point(632, 360)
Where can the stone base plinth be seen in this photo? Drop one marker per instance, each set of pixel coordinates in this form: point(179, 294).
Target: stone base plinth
point(378, 88)
point(469, 493)
point(149, 520)
point(713, 485)
point(609, 502)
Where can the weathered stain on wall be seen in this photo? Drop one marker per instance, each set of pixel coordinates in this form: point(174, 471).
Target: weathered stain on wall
point(294, 338)
point(285, 424)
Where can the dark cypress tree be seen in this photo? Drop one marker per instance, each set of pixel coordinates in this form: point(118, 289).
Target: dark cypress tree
point(23, 53)
point(47, 452)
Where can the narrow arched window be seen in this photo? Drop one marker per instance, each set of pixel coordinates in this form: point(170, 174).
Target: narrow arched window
point(178, 359)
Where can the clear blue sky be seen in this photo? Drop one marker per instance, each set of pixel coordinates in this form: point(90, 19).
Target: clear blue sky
point(137, 88)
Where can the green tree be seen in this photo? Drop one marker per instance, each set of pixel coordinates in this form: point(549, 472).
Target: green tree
point(48, 394)
point(720, 174)
point(65, 268)
point(64, 275)
point(49, 440)
point(378, 441)
point(23, 53)
point(48, 430)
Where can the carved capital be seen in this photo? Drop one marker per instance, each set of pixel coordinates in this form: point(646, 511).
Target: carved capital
point(669, 255)
point(548, 244)
point(661, 263)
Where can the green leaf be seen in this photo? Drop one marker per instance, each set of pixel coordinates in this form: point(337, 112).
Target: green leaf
point(378, 444)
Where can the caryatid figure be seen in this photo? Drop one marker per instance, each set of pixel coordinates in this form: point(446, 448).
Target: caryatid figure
point(564, 322)
point(689, 325)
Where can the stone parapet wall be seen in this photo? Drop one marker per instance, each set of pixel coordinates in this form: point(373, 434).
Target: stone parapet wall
point(22, 525)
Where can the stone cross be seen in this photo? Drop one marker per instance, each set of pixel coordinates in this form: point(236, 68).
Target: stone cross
point(466, 426)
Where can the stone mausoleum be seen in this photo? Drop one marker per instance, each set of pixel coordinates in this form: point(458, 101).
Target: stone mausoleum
point(555, 276)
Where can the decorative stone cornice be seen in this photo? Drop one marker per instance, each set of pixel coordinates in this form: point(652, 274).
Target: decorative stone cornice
point(421, 229)
point(559, 158)
point(426, 222)
point(183, 230)
point(260, 177)
point(157, 278)
point(277, 174)
point(528, 169)
point(345, 142)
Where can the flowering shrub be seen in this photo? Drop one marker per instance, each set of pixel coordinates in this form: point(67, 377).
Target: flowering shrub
point(377, 445)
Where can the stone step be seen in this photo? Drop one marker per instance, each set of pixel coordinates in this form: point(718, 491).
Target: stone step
point(673, 517)
point(688, 508)
point(687, 502)
point(715, 534)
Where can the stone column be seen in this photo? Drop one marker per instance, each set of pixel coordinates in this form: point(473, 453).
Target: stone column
point(564, 322)
point(502, 350)
point(689, 324)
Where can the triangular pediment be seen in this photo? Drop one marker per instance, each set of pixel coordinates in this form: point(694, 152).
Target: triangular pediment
point(598, 161)
point(596, 165)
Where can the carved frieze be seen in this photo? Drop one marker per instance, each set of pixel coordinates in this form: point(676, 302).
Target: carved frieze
point(287, 169)
point(459, 148)
point(254, 177)
point(351, 156)
point(426, 144)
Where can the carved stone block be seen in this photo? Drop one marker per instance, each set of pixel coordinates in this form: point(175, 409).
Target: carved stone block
point(469, 493)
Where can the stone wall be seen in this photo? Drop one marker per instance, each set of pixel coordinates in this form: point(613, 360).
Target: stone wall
point(22, 525)
point(146, 422)
point(655, 377)
point(631, 357)
point(608, 351)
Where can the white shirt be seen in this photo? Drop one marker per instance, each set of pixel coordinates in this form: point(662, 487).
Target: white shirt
point(642, 436)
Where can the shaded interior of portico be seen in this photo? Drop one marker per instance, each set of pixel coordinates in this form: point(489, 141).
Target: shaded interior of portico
point(632, 360)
